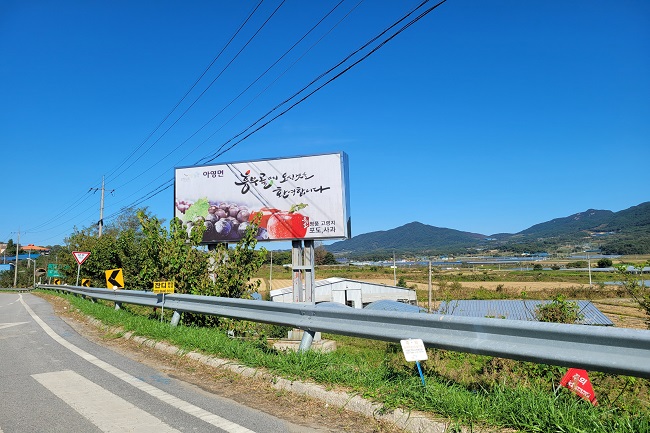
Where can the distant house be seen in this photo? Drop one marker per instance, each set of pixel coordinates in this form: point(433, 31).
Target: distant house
point(32, 248)
point(356, 294)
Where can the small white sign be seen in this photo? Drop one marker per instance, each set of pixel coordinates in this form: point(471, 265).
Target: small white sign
point(80, 256)
point(414, 350)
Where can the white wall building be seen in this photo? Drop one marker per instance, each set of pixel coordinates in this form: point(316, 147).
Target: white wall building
point(353, 293)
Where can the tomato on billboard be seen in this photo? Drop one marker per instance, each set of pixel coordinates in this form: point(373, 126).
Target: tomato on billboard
point(303, 197)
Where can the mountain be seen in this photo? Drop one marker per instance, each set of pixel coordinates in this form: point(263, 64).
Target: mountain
point(623, 232)
point(415, 238)
point(570, 225)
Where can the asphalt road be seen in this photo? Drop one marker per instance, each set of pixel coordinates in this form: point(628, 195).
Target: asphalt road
point(54, 380)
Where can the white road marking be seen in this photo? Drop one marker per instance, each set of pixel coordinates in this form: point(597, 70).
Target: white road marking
point(176, 402)
point(109, 412)
point(9, 325)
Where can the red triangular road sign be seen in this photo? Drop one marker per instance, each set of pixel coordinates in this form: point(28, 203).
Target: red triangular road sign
point(80, 256)
point(578, 381)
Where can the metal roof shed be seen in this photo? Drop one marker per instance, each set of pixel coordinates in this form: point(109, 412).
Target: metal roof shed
point(517, 310)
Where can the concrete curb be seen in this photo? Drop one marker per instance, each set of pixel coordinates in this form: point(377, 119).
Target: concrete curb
point(410, 421)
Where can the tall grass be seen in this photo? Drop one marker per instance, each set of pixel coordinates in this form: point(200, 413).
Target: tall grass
point(376, 370)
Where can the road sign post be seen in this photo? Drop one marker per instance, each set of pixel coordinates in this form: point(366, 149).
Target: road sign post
point(414, 350)
point(114, 278)
point(163, 287)
point(80, 257)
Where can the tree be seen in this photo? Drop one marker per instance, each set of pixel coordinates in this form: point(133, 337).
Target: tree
point(604, 263)
point(171, 255)
point(119, 247)
point(323, 257)
point(639, 292)
point(11, 248)
point(279, 258)
point(232, 269)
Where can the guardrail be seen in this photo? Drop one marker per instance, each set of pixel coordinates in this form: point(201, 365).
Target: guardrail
point(610, 350)
point(16, 289)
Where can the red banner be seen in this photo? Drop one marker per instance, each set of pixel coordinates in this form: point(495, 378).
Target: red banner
point(578, 381)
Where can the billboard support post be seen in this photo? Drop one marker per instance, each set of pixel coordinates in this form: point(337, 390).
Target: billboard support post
point(309, 271)
point(302, 264)
point(297, 254)
point(302, 260)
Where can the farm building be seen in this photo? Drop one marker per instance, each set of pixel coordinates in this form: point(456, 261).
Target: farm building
point(356, 294)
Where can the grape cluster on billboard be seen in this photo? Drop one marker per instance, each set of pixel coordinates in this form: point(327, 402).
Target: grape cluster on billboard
point(302, 197)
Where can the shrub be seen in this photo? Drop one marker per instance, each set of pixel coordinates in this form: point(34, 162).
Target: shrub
point(604, 263)
point(559, 311)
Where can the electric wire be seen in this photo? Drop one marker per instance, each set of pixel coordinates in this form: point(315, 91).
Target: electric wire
point(202, 93)
point(253, 129)
point(180, 101)
point(200, 161)
point(71, 207)
point(232, 101)
point(248, 87)
point(217, 153)
point(168, 184)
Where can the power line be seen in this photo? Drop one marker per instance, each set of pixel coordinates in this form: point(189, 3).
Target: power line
point(237, 97)
point(253, 129)
point(220, 152)
point(202, 93)
point(217, 153)
point(74, 205)
point(205, 71)
point(249, 86)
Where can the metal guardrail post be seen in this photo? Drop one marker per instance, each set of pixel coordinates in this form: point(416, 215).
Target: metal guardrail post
point(118, 305)
point(307, 339)
point(176, 318)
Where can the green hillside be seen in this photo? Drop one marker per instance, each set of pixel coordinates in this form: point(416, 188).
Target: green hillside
point(624, 232)
point(412, 238)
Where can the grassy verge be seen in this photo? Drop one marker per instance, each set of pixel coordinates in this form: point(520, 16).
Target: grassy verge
point(470, 390)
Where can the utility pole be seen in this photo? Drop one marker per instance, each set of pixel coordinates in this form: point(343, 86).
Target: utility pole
point(16, 264)
point(100, 223)
point(430, 286)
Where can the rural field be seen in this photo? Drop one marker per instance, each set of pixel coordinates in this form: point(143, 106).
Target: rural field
point(485, 284)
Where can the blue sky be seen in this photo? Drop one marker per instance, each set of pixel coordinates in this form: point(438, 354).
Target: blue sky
point(485, 117)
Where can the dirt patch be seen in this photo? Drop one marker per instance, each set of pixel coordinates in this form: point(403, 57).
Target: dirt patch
point(623, 312)
point(310, 414)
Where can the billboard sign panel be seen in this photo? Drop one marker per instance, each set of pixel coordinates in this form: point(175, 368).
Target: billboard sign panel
point(304, 197)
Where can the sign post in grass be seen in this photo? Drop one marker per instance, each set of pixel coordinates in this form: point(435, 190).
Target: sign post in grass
point(414, 350)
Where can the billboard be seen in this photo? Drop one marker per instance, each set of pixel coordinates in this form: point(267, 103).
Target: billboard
point(303, 197)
